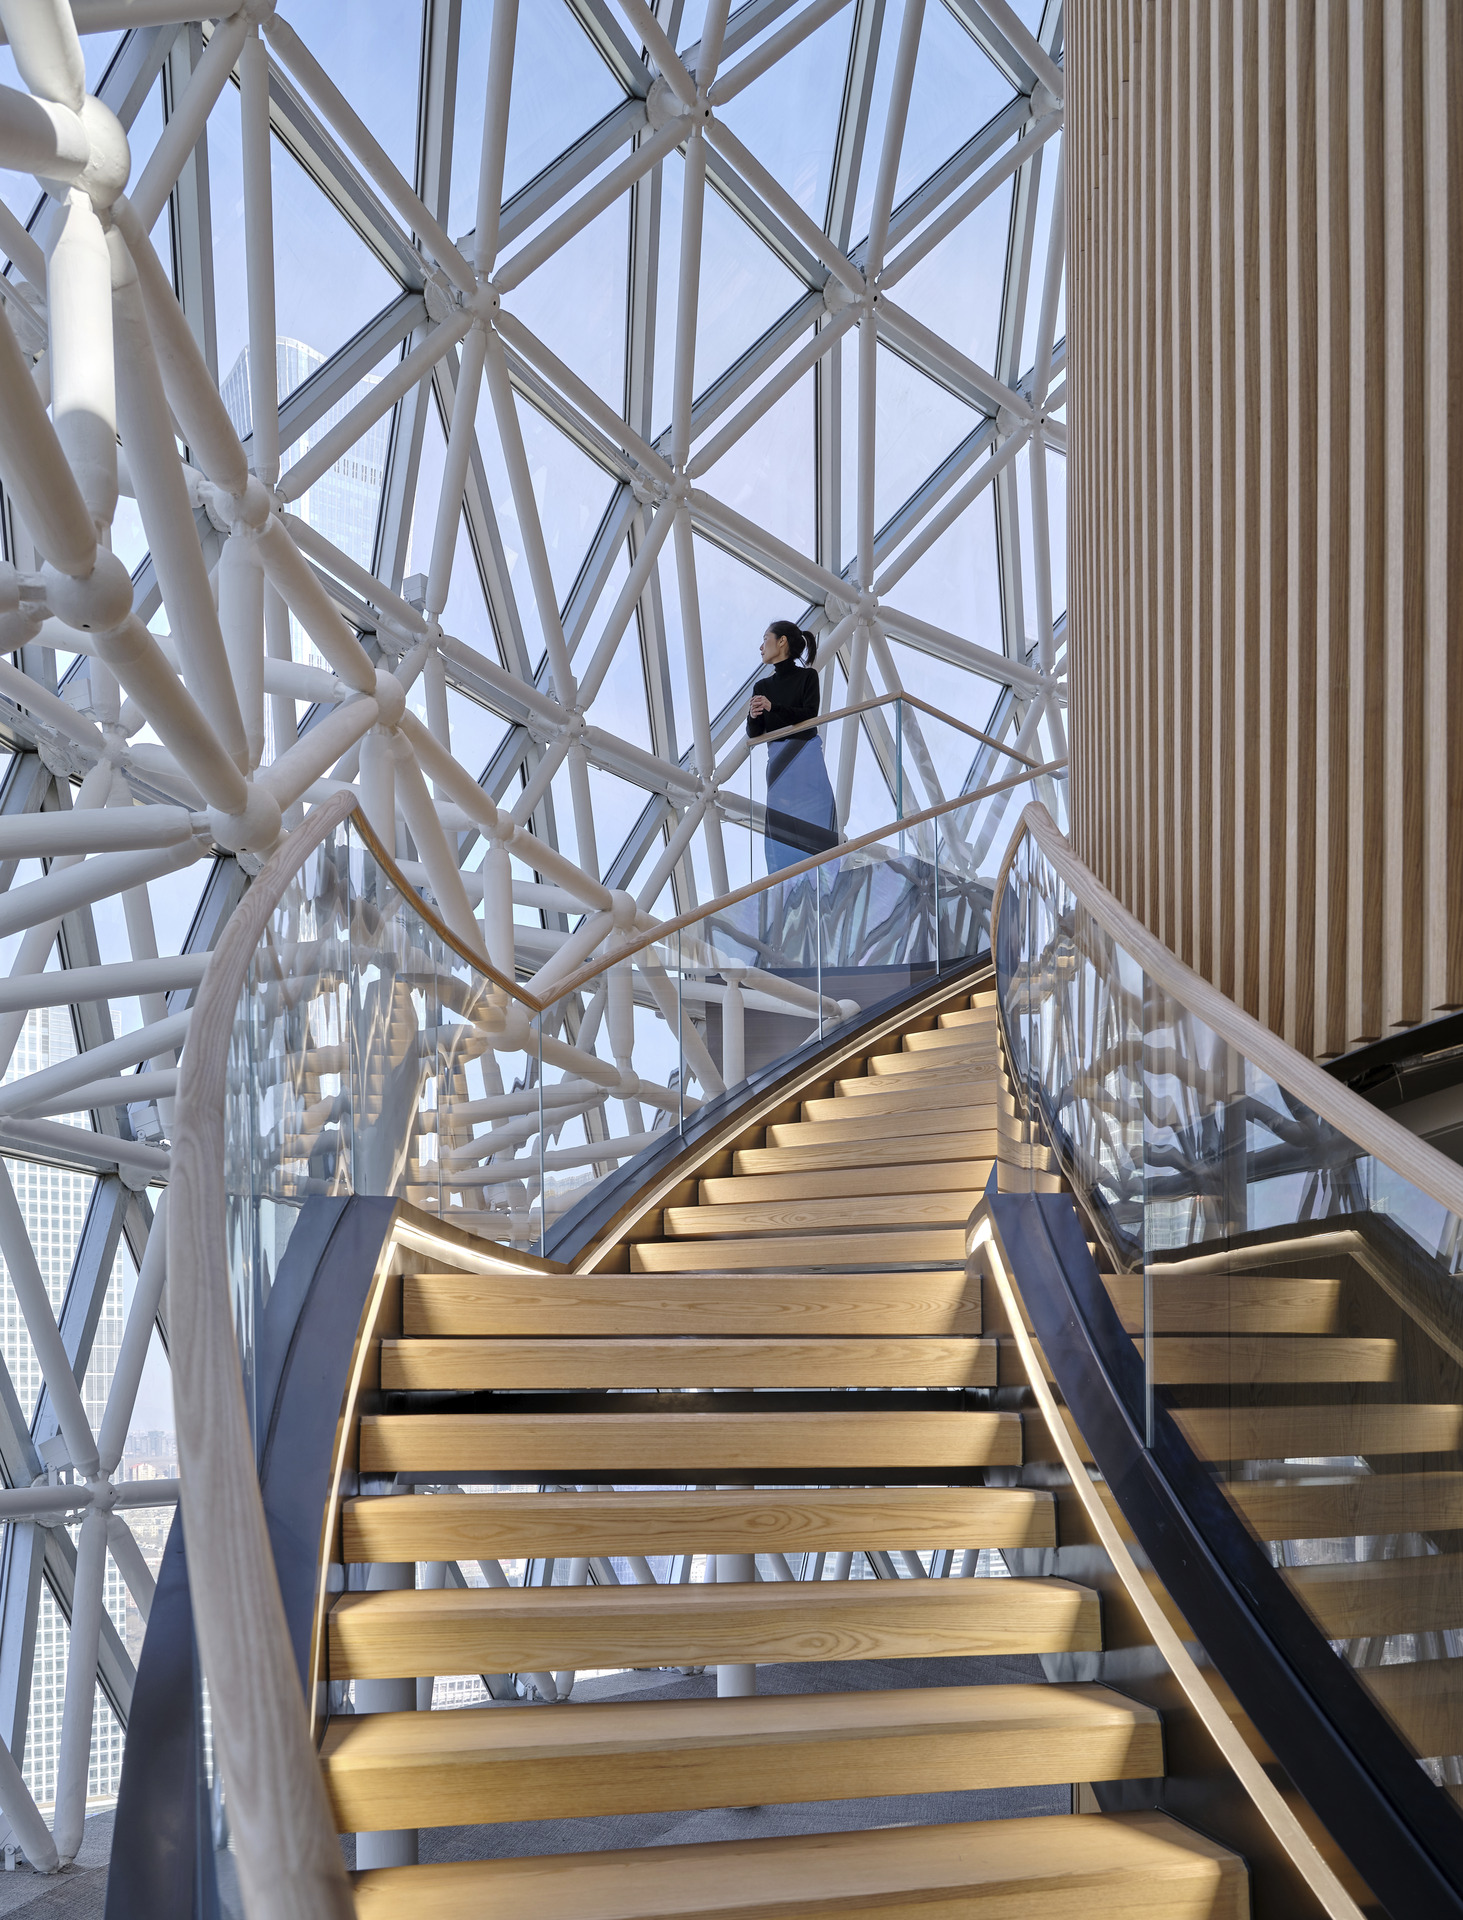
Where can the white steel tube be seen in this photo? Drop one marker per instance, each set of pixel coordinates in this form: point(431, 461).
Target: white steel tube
point(286, 778)
point(43, 40)
point(278, 657)
point(378, 786)
point(1056, 253)
point(495, 135)
point(903, 325)
point(259, 255)
point(41, 836)
point(134, 655)
point(509, 685)
point(24, 1817)
point(192, 394)
point(980, 189)
point(42, 137)
point(397, 611)
point(550, 759)
point(87, 882)
point(683, 380)
point(437, 855)
point(848, 736)
point(307, 600)
point(241, 626)
point(45, 1336)
point(81, 1685)
point(696, 690)
point(36, 471)
point(434, 691)
point(29, 693)
point(167, 517)
point(190, 116)
point(121, 980)
point(459, 449)
point(1042, 555)
point(868, 391)
point(83, 393)
point(894, 123)
point(34, 1090)
point(654, 39)
point(125, 1552)
point(497, 878)
point(136, 1342)
point(817, 578)
point(585, 845)
point(530, 527)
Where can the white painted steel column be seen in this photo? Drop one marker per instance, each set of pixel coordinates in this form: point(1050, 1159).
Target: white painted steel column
point(81, 1683)
point(259, 255)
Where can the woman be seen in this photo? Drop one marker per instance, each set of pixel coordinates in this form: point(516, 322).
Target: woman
point(800, 813)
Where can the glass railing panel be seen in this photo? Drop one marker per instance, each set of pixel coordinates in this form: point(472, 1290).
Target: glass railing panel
point(287, 1127)
point(1300, 1310)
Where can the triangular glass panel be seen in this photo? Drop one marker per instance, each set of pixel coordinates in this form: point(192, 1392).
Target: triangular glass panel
point(745, 288)
point(561, 88)
point(917, 423)
point(1056, 514)
point(571, 493)
point(327, 282)
point(956, 90)
point(371, 50)
point(955, 290)
point(789, 115)
point(1040, 245)
point(956, 584)
point(575, 302)
point(767, 475)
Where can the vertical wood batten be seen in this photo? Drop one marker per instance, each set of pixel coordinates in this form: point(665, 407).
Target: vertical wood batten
point(1265, 209)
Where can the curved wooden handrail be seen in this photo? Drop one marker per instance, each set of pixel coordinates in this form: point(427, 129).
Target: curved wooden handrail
point(886, 700)
point(647, 937)
point(284, 1836)
point(1366, 1126)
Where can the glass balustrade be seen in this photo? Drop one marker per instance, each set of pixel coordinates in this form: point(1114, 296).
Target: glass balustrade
point(1296, 1297)
point(371, 1055)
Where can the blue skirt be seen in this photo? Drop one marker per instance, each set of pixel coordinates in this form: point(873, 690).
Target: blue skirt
point(801, 819)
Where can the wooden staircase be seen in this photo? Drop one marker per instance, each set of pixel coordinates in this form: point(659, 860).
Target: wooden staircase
point(799, 1314)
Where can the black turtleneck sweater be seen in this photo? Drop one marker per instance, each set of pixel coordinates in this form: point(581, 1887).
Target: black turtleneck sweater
point(793, 691)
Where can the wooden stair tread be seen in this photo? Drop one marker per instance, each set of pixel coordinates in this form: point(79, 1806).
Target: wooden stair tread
point(541, 1365)
point(388, 1770)
point(510, 1526)
point(534, 1629)
point(964, 1057)
point(589, 1445)
point(957, 1030)
point(875, 1246)
point(938, 1176)
point(1289, 1433)
point(1320, 1506)
point(921, 1149)
point(1418, 1593)
point(846, 1122)
point(452, 1305)
point(1113, 1865)
point(1230, 1304)
point(1254, 1359)
point(938, 1090)
point(950, 1208)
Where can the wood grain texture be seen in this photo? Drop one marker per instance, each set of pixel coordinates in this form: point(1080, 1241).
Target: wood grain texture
point(454, 1769)
point(938, 1209)
point(889, 1150)
point(1238, 1304)
point(1108, 1866)
point(590, 1445)
point(888, 1177)
point(1265, 497)
point(471, 1526)
point(580, 1365)
point(876, 1246)
point(537, 1629)
point(455, 1305)
point(1327, 1507)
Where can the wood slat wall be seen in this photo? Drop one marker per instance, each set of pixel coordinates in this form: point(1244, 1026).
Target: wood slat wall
point(1266, 494)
